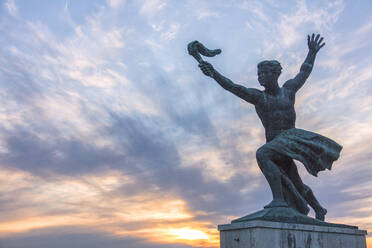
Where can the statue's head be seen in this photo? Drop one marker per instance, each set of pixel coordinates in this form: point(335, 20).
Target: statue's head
point(268, 71)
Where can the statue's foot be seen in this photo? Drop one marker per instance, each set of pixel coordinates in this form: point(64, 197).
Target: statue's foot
point(276, 203)
point(320, 214)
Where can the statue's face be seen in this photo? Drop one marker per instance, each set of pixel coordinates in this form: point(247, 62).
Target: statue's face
point(266, 76)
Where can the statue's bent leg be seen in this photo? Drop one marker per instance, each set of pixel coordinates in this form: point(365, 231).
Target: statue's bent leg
point(305, 191)
point(265, 159)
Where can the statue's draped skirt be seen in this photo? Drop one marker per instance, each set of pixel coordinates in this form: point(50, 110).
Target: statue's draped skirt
point(315, 151)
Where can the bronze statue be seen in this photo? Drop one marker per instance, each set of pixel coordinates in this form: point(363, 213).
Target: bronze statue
point(284, 142)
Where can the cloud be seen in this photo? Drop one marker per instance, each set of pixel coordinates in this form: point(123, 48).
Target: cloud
point(115, 3)
point(320, 18)
point(151, 7)
point(365, 28)
point(207, 14)
point(172, 32)
point(95, 202)
point(11, 6)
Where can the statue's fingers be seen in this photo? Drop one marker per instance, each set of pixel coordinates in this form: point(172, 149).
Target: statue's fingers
point(312, 37)
point(317, 38)
point(308, 40)
point(205, 63)
point(320, 41)
point(322, 45)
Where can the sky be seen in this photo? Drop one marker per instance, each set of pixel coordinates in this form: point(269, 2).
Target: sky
point(110, 135)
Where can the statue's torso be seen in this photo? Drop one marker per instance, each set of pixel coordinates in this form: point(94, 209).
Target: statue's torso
point(277, 113)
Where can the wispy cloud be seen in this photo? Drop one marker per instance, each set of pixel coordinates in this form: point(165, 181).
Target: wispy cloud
point(321, 18)
point(11, 7)
point(151, 7)
point(207, 13)
point(115, 3)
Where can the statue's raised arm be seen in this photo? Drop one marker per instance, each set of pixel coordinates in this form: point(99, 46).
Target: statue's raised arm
point(250, 95)
point(315, 44)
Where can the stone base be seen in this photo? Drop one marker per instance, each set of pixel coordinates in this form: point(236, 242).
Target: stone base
point(287, 215)
point(268, 234)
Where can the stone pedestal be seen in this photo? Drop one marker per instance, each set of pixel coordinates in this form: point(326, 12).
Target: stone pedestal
point(269, 234)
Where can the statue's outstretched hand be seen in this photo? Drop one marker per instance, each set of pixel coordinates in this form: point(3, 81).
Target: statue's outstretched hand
point(207, 69)
point(315, 44)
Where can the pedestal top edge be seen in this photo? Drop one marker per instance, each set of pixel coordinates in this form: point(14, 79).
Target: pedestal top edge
point(289, 226)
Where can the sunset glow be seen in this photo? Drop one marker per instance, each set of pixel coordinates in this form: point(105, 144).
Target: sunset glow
point(189, 234)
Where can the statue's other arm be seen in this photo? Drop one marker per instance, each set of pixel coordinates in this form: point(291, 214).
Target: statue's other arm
point(248, 94)
point(314, 45)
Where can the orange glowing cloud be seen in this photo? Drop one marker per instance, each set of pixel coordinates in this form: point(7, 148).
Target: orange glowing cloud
point(95, 201)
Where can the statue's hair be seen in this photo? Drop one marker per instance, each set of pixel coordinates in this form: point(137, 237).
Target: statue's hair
point(274, 65)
